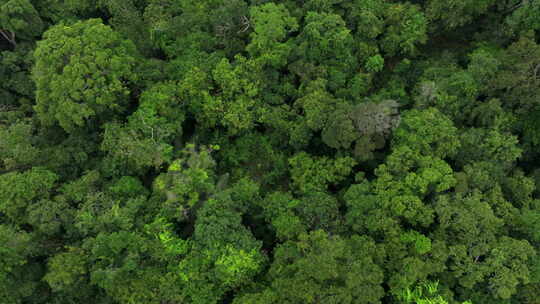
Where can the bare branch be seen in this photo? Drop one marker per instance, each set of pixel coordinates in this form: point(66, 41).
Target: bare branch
point(245, 23)
point(9, 36)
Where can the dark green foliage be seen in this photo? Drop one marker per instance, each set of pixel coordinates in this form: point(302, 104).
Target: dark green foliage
point(319, 268)
point(146, 140)
point(19, 21)
point(18, 147)
point(16, 248)
point(22, 190)
point(449, 15)
point(258, 152)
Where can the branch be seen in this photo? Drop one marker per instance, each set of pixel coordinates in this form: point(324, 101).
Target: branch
point(536, 69)
point(515, 7)
point(11, 39)
point(246, 23)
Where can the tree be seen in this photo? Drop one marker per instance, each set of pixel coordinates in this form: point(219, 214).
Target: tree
point(17, 274)
point(517, 79)
point(320, 268)
point(271, 23)
point(325, 41)
point(147, 139)
point(118, 263)
point(475, 243)
point(425, 293)
point(452, 96)
point(193, 28)
point(239, 92)
point(19, 20)
point(257, 156)
point(224, 256)
point(17, 88)
point(189, 182)
point(367, 124)
point(18, 147)
point(386, 28)
point(67, 275)
point(489, 145)
point(290, 216)
point(374, 122)
point(450, 15)
point(428, 132)
point(406, 27)
point(82, 73)
point(402, 192)
point(317, 173)
point(126, 17)
point(523, 16)
point(225, 96)
point(21, 190)
point(396, 206)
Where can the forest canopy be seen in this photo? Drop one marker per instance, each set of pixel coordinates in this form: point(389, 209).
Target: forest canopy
point(269, 152)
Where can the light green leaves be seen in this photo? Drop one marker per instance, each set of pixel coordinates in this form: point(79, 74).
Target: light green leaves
point(313, 173)
point(272, 24)
point(427, 132)
point(237, 264)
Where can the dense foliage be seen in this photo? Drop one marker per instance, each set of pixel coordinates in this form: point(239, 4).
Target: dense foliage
point(265, 152)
